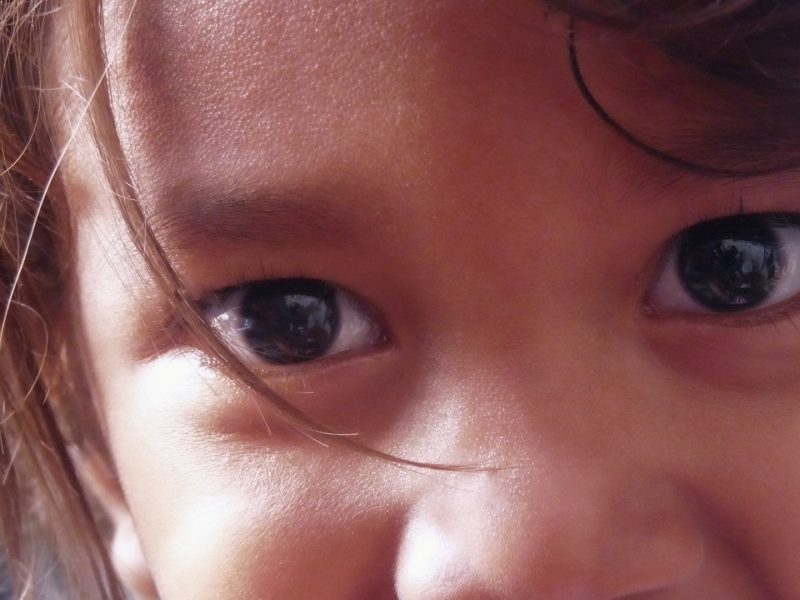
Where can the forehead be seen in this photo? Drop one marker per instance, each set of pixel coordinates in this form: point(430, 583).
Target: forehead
point(253, 89)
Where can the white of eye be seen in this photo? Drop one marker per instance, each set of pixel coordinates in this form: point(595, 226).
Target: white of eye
point(356, 329)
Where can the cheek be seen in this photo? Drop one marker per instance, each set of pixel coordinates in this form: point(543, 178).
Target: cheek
point(226, 510)
point(260, 530)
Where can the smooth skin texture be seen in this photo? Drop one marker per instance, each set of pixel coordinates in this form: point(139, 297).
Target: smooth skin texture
point(436, 160)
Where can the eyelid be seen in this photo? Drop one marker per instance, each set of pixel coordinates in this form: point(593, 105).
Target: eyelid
point(698, 215)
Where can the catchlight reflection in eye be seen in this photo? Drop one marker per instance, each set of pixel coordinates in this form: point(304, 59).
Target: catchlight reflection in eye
point(732, 264)
point(294, 320)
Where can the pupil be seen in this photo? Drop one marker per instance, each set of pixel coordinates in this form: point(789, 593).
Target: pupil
point(290, 320)
point(730, 264)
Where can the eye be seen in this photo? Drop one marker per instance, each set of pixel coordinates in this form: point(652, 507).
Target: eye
point(732, 264)
point(287, 321)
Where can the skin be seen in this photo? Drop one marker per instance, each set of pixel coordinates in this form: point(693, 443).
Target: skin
point(436, 160)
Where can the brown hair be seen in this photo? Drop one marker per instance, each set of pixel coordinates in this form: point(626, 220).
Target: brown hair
point(38, 374)
point(46, 414)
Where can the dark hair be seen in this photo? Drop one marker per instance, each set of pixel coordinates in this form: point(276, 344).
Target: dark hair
point(753, 45)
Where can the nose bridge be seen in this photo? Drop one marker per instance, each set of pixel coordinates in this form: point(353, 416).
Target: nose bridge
point(554, 531)
point(577, 509)
point(531, 335)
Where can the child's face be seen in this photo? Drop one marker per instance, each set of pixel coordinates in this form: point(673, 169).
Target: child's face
point(511, 299)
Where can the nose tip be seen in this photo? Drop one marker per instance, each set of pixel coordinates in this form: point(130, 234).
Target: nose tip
point(496, 538)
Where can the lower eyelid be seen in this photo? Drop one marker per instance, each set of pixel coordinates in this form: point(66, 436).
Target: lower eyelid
point(772, 316)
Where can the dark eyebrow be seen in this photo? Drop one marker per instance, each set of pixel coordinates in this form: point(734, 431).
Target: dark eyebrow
point(191, 218)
